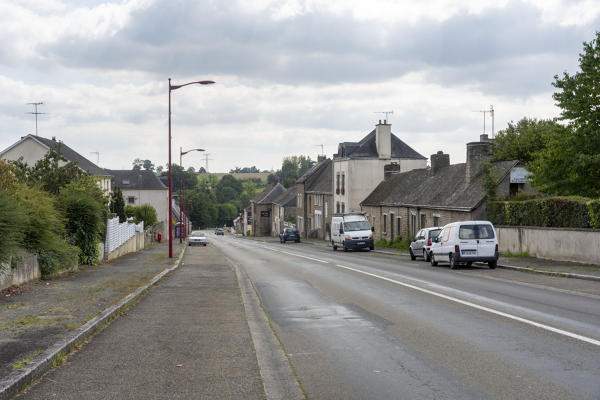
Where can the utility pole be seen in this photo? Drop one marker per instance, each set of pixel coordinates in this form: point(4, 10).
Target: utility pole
point(206, 160)
point(36, 113)
point(321, 146)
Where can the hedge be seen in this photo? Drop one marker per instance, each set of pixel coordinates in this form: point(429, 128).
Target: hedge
point(556, 212)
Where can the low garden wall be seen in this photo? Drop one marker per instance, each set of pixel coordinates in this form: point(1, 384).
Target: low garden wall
point(27, 269)
point(561, 244)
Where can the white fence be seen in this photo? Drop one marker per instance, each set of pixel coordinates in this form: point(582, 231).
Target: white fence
point(118, 233)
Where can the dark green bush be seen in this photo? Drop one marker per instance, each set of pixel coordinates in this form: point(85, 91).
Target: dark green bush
point(558, 212)
point(145, 213)
point(12, 220)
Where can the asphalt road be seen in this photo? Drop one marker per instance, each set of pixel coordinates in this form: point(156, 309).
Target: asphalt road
point(371, 326)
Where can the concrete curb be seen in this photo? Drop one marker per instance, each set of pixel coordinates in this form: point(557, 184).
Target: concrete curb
point(552, 273)
point(18, 380)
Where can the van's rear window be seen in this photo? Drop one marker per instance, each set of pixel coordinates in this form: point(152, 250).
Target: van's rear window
point(476, 232)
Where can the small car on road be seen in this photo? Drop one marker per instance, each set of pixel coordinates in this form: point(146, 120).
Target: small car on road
point(197, 238)
point(466, 242)
point(289, 234)
point(422, 242)
point(219, 231)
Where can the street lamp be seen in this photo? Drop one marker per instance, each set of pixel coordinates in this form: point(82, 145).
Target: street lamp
point(171, 88)
point(182, 225)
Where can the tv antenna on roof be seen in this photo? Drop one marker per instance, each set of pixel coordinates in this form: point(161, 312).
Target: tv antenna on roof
point(491, 111)
point(97, 153)
point(36, 113)
point(321, 146)
point(387, 113)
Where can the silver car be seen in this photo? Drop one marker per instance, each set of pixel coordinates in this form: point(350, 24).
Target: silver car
point(197, 238)
point(421, 244)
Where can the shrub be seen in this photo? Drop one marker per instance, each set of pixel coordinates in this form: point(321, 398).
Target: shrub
point(145, 213)
point(12, 220)
point(44, 232)
point(558, 212)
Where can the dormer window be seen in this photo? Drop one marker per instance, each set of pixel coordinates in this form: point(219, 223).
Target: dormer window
point(125, 181)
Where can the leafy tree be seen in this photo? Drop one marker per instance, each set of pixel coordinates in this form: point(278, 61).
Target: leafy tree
point(8, 178)
point(226, 214)
point(117, 204)
point(245, 170)
point(144, 212)
point(138, 164)
point(523, 140)
point(292, 168)
point(489, 181)
point(570, 165)
point(48, 173)
point(178, 173)
point(202, 210)
point(201, 170)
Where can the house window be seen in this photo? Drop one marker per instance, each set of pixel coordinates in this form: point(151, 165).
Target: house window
point(317, 219)
point(423, 221)
point(399, 226)
point(299, 201)
point(413, 224)
point(130, 200)
point(392, 226)
point(384, 223)
point(436, 220)
point(343, 183)
point(343, 208)
point(325, 209)
point(337, 183)
point(337, 207)
point(125, 181)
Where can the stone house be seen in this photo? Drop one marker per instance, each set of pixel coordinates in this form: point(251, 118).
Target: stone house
point(315, 200)
point(284, 206)
point(358, 166)
point(408, 201)
point(33, 148)
point(143, 187)
point(262, 209)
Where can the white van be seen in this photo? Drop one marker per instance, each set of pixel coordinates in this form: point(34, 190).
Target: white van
point(351, 231)
point(466, 242)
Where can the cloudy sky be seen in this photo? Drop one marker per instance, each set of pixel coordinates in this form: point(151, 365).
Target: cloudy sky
point(291, 74)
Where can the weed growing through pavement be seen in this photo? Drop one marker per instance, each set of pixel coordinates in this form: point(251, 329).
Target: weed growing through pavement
point(21, 364)
point(59, 359)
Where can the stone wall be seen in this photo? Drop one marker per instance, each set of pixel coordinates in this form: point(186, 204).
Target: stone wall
point(135, 243)
point(561, 244)
point(27, 270)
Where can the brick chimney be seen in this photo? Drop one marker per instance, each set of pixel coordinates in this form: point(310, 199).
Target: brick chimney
point(439, 161)
point(383, 139)
point(477, 153)
point(321, 158)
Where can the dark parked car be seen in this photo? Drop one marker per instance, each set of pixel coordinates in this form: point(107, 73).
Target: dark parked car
point(219, 231)
point(289, 234)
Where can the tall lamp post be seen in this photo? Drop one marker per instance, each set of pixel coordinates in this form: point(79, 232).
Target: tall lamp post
point(171, 88)
point(182, 224)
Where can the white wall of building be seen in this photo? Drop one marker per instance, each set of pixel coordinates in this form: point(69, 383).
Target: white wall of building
point(156, 198)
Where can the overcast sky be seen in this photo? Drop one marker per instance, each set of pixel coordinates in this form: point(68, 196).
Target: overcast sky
point(291, 75)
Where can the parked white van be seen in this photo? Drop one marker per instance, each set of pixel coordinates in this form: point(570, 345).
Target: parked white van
point(466, 242)
point(351, 231)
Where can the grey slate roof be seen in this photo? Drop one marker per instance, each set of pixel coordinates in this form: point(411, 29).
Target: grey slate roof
point(71, 155)
point(269, 194)
point(446, 189)
point(322, 179)
point(138, 180)
point(287, 198)
point(367, 148)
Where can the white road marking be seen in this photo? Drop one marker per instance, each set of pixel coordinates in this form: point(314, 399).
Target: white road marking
point(478, 307)
point(456, 300)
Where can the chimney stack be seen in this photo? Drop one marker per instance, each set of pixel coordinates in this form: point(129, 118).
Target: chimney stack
point(321, 158)
point(439, 161)
point(383, 140)
point(390, 169)
point(477, 153)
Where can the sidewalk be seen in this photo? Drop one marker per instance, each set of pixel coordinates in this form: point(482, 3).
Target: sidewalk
point(187, 338)
point(46, 312)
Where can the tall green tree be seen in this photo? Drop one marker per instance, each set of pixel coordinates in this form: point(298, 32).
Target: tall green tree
point(570, 164)
point(51, 173)
point(138, 164)
point(117, 204)
point(523, 140)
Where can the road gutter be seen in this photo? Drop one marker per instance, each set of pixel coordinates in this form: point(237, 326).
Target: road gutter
point(19, 380)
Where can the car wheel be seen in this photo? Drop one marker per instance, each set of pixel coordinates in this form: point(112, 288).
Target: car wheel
point(334, 246)
point(412, 255)
point(345, 248)
point(492, 264)
point(372, 248)
point(426, 257)
point(452, 262)
point(469, 263)
point(432, 260)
